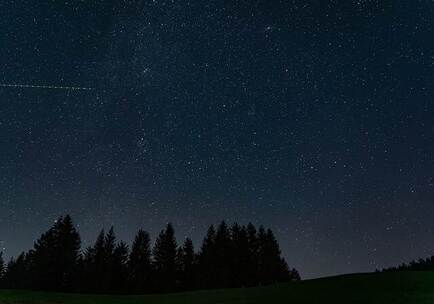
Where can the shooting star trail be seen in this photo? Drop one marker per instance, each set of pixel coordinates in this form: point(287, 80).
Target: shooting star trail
point(51, 87)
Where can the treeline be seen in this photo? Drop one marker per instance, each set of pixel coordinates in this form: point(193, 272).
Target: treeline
point(415, 265)
point(234, 256)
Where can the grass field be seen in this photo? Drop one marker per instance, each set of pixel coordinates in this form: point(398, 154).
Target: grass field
point(402, 287)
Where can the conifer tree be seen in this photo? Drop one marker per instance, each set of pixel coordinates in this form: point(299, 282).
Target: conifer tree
point(109, 261)
point(53, 261)
point(223, 248)
point(271, 267)
point(68, 253)
point(120, 269)
point(207, 260)
point(240, 256)
point(140, 267)
point(16, 276)
point(186, 265)
point(253, 245)
point(164, 253)
point(94, 266)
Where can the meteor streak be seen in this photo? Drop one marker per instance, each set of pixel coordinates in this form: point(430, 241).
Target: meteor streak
point(51, 87)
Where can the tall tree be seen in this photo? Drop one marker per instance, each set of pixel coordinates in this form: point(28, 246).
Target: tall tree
point(120, 269)
point(109, 259)
point(253, 244)
point(186, 264)
point(16, 276)
point(223, 249)
point(69, 244)
point(94, 262)
point(54, 259)
point(207, 260)
point(140, 267)
point(272, 267)
point(164, 252)
point(240, 256)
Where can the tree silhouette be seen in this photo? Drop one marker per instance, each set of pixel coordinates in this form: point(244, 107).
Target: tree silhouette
point(120, 269)
point(94, 266)
point(223, 249)
point(109, 257)
point(17, 273)
point(241, 261)
point(164, 252)
point(53, 260)
point(271, 267)
point(253, 256)
point(68, 253)
point(140, 268)
point(416, 265)
point(207, 260)
point(229, 257)
point(186, 261)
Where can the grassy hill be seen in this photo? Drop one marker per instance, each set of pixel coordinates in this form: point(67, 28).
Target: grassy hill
point(401, 287)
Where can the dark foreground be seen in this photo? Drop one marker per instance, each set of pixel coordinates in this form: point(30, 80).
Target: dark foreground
point(401, 287)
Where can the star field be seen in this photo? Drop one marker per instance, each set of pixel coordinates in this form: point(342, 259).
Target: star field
point(311, 117)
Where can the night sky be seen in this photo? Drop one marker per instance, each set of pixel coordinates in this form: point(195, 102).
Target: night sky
point(312, 117)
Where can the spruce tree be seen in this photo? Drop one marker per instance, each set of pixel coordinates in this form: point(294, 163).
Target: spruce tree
point(261, 275)
point(109, 261)
point(16, 276)
point(68, 253)
point(223, 249)
point(186, 264)
point(253, 244)
point(53, 261)
point(271, 268)
point(207, 260)
point(164, 253)
point(140, 267)
point(94, 266)
point(120, 269)
point(240, 256)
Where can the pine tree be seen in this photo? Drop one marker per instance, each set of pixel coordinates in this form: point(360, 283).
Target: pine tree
point(207, 260)
point(223, 248)
point(164, 253)
point(271, 268)
point(120, 269)
point(109, 259)
point(16, 276)
point(240, 256)
point(253, 256)
point(186, 264)
point(68, 253)
point(53, 262)
point(140, 267)
point(94, 266)
point(261, 275)
point(110, 243)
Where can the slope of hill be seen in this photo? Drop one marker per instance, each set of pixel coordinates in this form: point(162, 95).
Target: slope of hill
point(399, 287)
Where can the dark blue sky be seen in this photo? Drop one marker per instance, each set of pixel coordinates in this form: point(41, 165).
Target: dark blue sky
point(314, 118)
